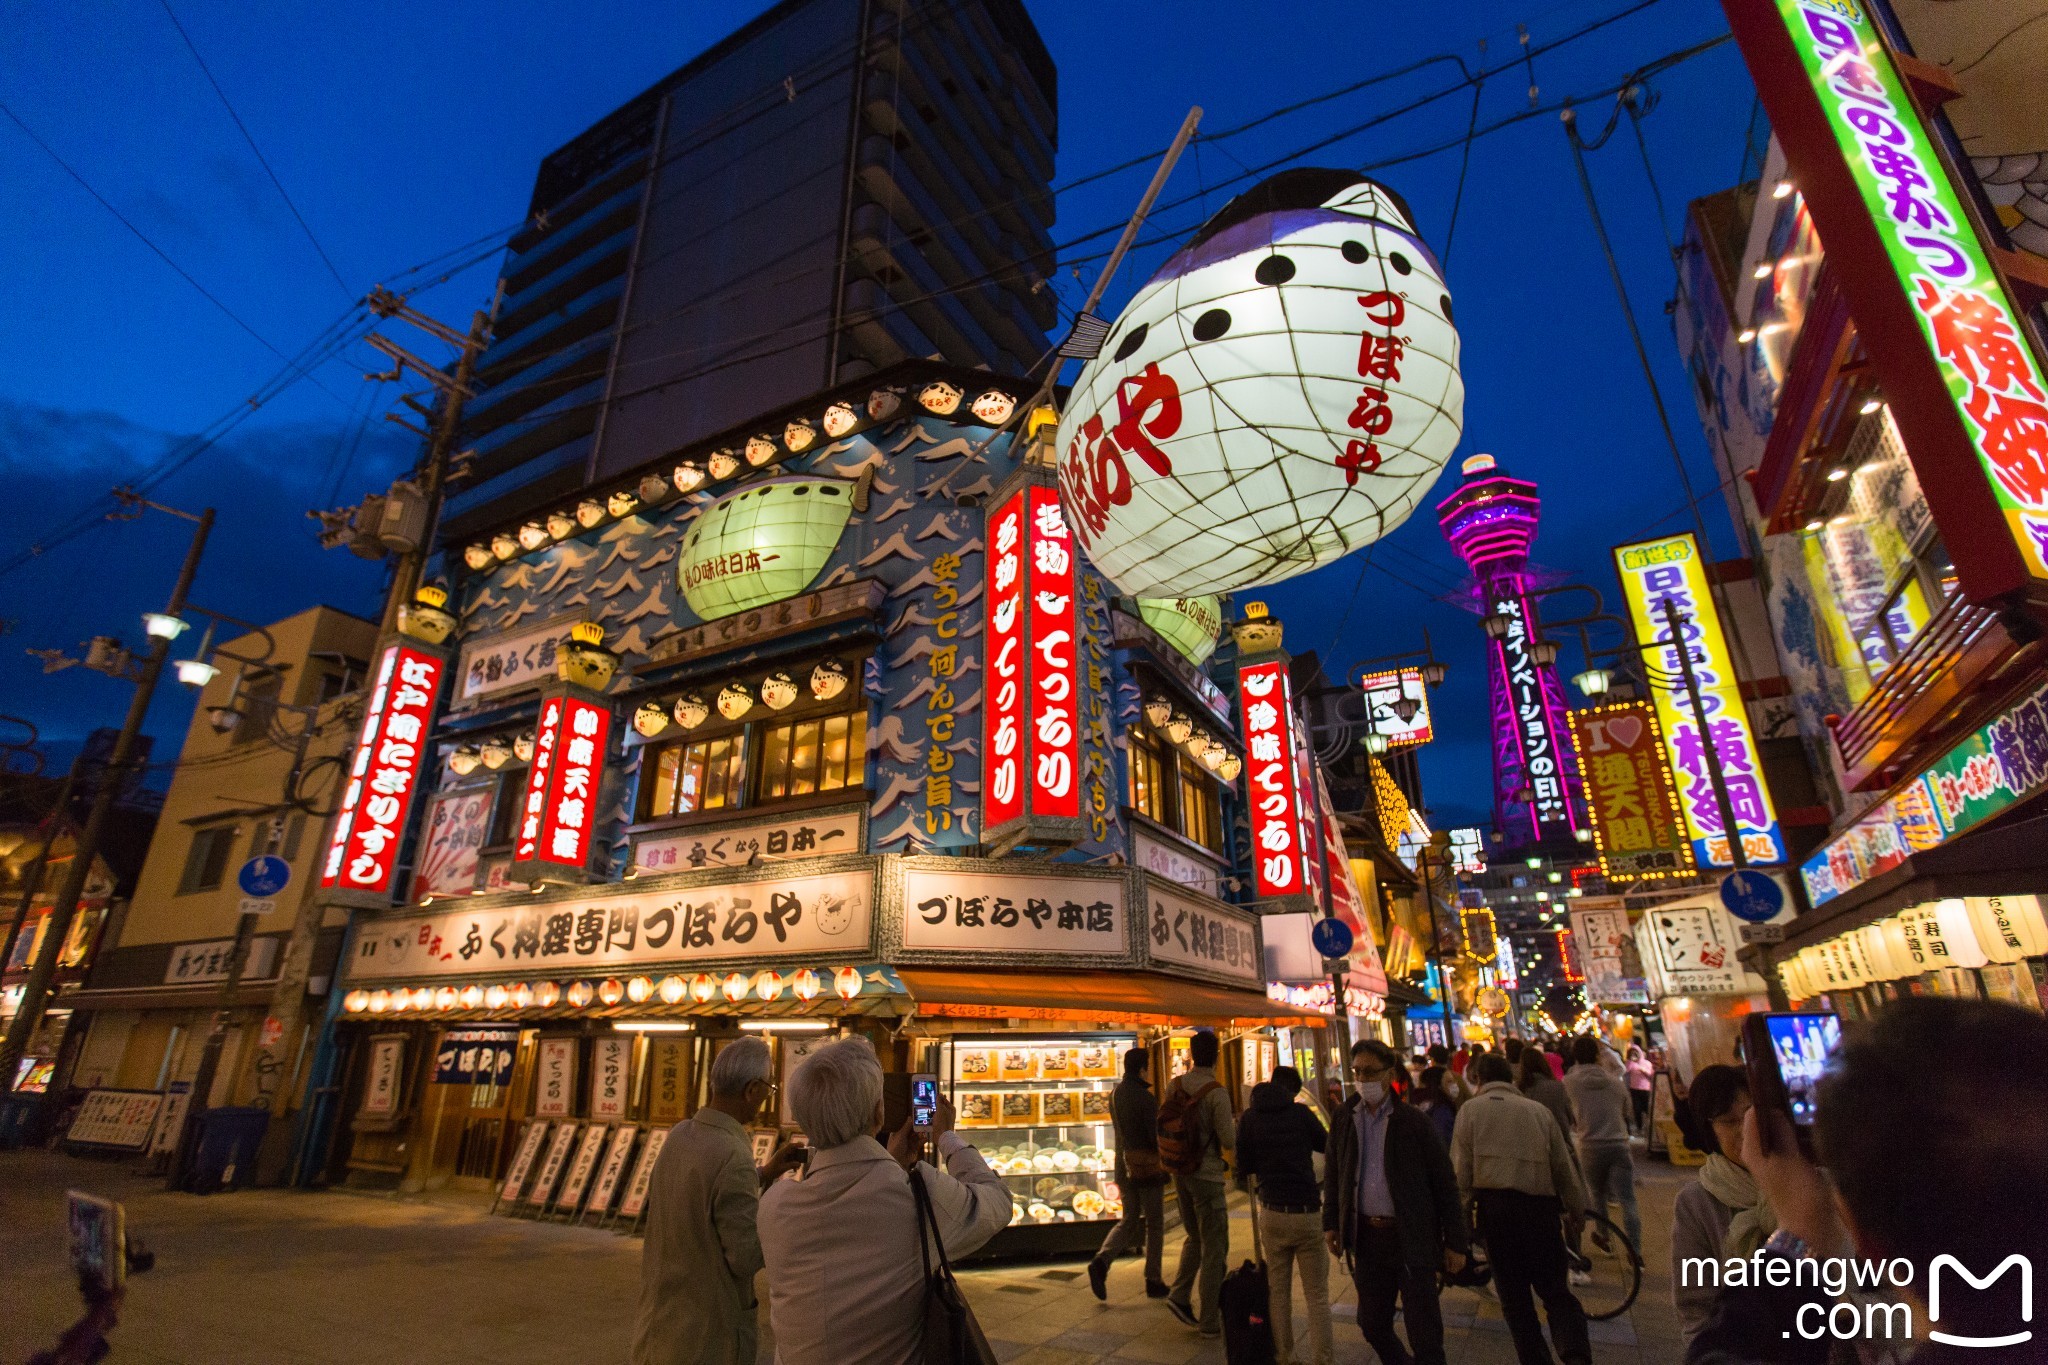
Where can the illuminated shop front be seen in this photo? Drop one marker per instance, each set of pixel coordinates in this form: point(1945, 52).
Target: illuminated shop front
point(826, 725)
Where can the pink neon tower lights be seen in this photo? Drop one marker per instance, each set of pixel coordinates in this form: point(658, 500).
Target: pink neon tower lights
point(1537, 799)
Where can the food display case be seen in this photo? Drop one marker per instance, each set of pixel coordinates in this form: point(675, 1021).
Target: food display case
point(1037, 1108)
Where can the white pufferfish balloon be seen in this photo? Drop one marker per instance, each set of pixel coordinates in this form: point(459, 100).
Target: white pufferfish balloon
point(1282, 392)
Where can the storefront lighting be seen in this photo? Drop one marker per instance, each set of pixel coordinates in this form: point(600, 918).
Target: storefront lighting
point(463, 759)
point(1782, 190)
point(1213, 754)
point(522, 746)
point(196, 672)
point(1533, 862)
point(379, 1002)
point(1763, 270)
point(883, 404)
point(1576, 891)
point(1179, 727)
point(702, 988)
point(1543, 897)
point(547, 994)
point(690, 711)
point(1584, 836)
point(471, 997)
point(940, 397)
point(734, 701)
point(805, 985)
point(522, 996)
point(1870, 405)
point(1375, 742)
point(589, 513)
point(734, 987)
point(760, 450)
point(639, 989)
point(505, 545)
point(650, 720)
point(653, 488)
point(622, 503)
point(1557, 876)
point(1593, 682)
point(778, 690)
point(846, 983)
point(768, 986)
point(1158, 711)
point(1496, 625)
point(784, 1025)
point(687, 477)
point(724, 464)
point(1814, 525)
point(532, 536)
point(611, 990)
point(994, 407)
point(495, 752)
point(1746, 335)
point(479, 557)
point(1230, 767)
point(672, 990)
point(162, 626)
point(840, 419)
point(654, 1026)
point(1837, 474)
point(581, 994)
point(799, 436)
point(561, 525)
point(828, 680)
point(446, 998)
point(355, 1002)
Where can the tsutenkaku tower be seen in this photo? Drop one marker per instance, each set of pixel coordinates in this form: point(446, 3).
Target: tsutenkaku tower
point(1538, 802)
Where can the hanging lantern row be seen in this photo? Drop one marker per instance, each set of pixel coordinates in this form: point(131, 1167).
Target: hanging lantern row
point(493, 753)
point(939, 397)
point(778, 692)
point(1180, 727)
point(767, 986)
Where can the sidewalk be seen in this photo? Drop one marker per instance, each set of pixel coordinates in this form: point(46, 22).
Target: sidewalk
point(277, 1278)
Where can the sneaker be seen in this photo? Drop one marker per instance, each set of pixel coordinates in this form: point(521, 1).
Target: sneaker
point(1156, 1289)
point(1098, 1279)
point(1180, 1311)
point(1580, 1278)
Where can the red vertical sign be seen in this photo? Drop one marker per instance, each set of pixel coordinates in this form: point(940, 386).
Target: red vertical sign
point(1003, 723)
point(1277, 850)
point(560, 811)
point(1055, 682)
point(382, 777)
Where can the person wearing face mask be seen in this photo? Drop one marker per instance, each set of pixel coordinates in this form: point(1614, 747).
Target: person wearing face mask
point(1391, 1209)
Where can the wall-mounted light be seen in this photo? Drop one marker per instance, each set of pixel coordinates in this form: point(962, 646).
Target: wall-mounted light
point(784, 1025)
point(532, 536)
point(1158, 711)
point(734, 701)
point(479, 557)
point(589, 513)
point(1230, 767)
point(828, 680)
point(688, 477)
point(1179, 726)
point(495, 752)
point(1870, 405)
point(653, 1026)
point(650, 719)
point(691, 711)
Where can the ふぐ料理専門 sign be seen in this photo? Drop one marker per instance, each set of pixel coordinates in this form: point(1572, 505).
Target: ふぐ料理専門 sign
point(384, 772)
point(1638, 827)
point(1201, 938)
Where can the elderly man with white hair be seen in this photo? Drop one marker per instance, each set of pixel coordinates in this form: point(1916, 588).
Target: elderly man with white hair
point(845, 1280)
point(697, 1265)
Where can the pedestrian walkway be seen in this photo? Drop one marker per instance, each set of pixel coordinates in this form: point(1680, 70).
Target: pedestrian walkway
point(271, 1277)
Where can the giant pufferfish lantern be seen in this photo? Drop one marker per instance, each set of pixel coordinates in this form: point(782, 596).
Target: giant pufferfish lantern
point(1282, 392)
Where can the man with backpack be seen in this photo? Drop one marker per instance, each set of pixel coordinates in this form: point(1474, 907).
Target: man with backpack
point(1196, 1135)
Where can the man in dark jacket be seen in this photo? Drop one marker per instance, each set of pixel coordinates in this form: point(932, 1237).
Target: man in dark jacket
point(1390, 1205)
point(1277, 1140)
point(1135, 1113)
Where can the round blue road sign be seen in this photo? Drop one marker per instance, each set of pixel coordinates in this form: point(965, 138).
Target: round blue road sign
point(1332, 937)
point(264, 876)
point(1752, 896)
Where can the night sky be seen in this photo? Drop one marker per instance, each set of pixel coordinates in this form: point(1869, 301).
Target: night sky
point(400, 141)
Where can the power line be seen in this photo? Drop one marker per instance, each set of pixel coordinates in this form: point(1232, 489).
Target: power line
point(261, 159)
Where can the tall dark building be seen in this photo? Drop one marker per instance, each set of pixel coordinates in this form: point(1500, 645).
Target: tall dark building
point(836, 186)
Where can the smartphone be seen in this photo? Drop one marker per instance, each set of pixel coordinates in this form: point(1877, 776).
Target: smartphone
point(99, 1241)
point(924, 1102)
point(1785, 1055)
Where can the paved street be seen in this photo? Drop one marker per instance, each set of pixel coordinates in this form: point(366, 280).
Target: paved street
point(274, 1278)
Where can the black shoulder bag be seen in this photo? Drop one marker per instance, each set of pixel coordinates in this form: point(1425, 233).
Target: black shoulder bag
point(951, 1335)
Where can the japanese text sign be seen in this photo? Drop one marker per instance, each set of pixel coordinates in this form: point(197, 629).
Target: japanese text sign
point(1530, 715)
point(1003, 736)
point(560, 807)
point(476, 1056)
point(1032, 730)
point(1203, 938)
point(451, 832)
point(554, 1080)
point(804, 836)
point(1962, 310)
point(968, 912)
point(1382, 690)
point(1605, 945)
point(611, 1073)
point(384, 772)
point(1695, 950)
point(499, 663)
point(1638, 825)
point(1655, 573)
point(1279, 844)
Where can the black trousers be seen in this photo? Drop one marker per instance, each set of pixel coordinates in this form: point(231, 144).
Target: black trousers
point(1525, 1242)
point(1383, 1274)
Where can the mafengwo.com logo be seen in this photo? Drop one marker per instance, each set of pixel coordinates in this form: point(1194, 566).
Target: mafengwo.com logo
point(1859, 1303)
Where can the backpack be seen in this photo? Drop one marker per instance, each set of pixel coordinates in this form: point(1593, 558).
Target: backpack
point(1181, 1141)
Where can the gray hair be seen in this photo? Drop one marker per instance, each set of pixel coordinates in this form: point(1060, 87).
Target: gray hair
point(834, 1092)
point(739, 1065)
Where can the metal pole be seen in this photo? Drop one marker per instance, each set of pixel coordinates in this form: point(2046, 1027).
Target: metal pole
point(36, 993)
point(1710, 750)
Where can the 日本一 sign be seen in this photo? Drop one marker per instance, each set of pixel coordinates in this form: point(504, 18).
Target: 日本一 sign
point(1638, 826)
point(562, 784)
point(384, 772)
point(804, 836)
point(1657, 572)
point(1279, 839)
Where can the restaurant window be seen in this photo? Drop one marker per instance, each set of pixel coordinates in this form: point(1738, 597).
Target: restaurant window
point(1148, 777)
point(697, 775)
point(1201, 809)
point(822, 754)
point(1171, 789)
point(206, 861)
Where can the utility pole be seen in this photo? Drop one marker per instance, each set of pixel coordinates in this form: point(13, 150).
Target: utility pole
point(35, 994)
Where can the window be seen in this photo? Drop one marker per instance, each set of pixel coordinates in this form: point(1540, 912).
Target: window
point(505, 809)
point(1173, 790)
point(1148, 777)
point(823, 754)
point(206, 862)
point(342, 676)
point(1201, 809)
point(258, 705)
point(701, 774)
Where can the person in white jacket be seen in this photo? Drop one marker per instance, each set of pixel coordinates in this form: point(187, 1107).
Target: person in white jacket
point(845, 1280)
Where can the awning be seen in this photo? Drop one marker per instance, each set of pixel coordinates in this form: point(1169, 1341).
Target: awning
point(2009, 860)
point(1111, 997)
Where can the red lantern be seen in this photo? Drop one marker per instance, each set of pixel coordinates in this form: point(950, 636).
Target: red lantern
point(805, 985)
point(735, 987)
point(846, 982)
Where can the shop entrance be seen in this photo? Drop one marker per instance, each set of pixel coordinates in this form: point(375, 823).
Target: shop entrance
point(468, 1113)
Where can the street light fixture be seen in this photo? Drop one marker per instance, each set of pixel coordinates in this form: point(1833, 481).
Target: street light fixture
point(1432, 674)
point(1594, 682)
point(163, 626)
point(196, 672)
point(1544, 652)
point(1495, 624)
point(1375, 742)
point(1405, 708)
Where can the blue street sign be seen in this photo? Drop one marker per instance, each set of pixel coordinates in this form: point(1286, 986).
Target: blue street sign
point(1332, 937)
point(1752, 896)
point(264, 876)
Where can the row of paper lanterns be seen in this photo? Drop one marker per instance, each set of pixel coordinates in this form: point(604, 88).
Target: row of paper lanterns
point(778, 691)
point(734, 987)
point(1974, 932)
point(1179, 727)
point(939, 397)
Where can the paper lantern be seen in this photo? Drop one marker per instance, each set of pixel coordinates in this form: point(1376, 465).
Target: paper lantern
point(993, 407)
point(778, 690)
point(768, 985)
point(828, 680)
point(650, 719)
point(581, 994)
point(805, 985)
point(702, 988)
point(672, 990)
point(734, 987)
point(734, 701)
point(495, 752)
point(2009, 928)
point(355, 1002)
point(840, 419)
point(446, 998)
point(1958, 935)
point(884, 404)
point(940, 397)
point(479, 557)
point(471, 997)
point(1230, 767)
point(622, 503)
point(846, 982)
point(765, 543)
point(1900, 947)
point(1282, 392)
point(589, 513)
point(690, 711)
point(495, 997)
point(639, 989)
point(687, 477)
point(760, 450)
point(547, 994)
point(653, 488)
point(723, 464)
point(522, 746)
point(611, 991)
point(532, 536)
point(561, 525)
point(378, 1002)
point(1191, 625)
point(463, 759)
point(1158, 711)
point(522, 996)
point(1877, 954)
point(799, 436)
point(504, 545)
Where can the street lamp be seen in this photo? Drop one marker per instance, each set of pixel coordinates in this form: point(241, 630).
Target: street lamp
point(196, 672)
point(1495, 624)
point(1375, 742)
point(1432, 674)
point(1594, 682)
point(163, 626)
point(1405, 708)
point(1544, 652)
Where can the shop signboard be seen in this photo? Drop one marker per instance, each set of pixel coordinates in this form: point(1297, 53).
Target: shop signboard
point(611, 1074)
point(1695, 948)
point(554, 1080)
point(1606, 945)
point(1671, 570)
point(492, 665)
point(796, 1049)
point(1201, 938)
point(1003, 732)
point(1280, 855)
point(476, 1056)
point(826, 913)
point(1174, 864)
point(799, 836)
point(560, 803)
point(1478, 932)
point(583, 1167)
point(1504, 962)
point(1942, 332)
point(551, 1165)
point(1638, 826)
point(522, 1161)
point(668, 1080)
point(1569, 964)
point(1468, 850)
point(384, 1076)
point(206, 961)
point(452, 831)
point(643, 1174)
point(116, 1118)
point(384, 772)
point(2000, 765)
point(613, 1169)
point(823, 607)
point(991, 912)
point(1032, 732)
point(1384, 689)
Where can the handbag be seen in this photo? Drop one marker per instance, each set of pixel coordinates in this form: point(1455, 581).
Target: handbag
point(1143, 1167)
point(951, 1335)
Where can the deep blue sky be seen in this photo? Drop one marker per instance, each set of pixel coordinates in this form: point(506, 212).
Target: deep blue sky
point(401, 139)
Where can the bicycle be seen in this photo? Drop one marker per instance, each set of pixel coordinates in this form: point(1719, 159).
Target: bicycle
point(1614, 1275)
